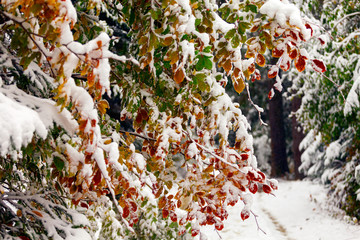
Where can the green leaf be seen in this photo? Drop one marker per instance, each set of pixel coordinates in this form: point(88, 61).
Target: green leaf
point(200, 64)
point(230, 33)
point(242, 27)
point(132, 17)
point(199, 77)
point(252, 8)
point(235, 41)
point(208, 63)
point(59, 164)
point(197, 22)
point(207, 49)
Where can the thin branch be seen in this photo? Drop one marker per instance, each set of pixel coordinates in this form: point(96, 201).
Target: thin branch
point(337, 85)
point(257, 223)
point(346, 16)
point(258, 109)
point(212, 154)
point(31, 37)
point(138, 135)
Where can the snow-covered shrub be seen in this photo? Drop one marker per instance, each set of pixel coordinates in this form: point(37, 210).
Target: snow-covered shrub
point(69, 170)
point(330, 102)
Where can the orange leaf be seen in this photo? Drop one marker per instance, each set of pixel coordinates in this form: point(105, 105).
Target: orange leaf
point(277, 52)
point(179, 76)
point(300, 63)
point(260, 60)
point(37, 213)
point(239, 85)
point(293, 54)
point(162, 202)
point(227, 65)
point(251, 68)
point(99, 43)
point(285, 64)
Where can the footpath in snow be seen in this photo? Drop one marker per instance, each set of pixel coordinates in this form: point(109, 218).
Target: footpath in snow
point(295, 213)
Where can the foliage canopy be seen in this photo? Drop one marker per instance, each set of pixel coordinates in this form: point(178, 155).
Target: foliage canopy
point(66, 163)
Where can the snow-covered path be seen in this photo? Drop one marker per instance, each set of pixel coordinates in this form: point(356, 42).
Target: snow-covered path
point(294, 214)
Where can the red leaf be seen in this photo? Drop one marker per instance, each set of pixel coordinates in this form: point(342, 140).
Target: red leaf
point(194, 232)
point(245, 214)
point(84, 205)
point(219, 226)
point(293, 54)
point(318, 66)
point(277, 52)
point(97, 178)
point(266, 188)
point(309, 27)
point(271, 94)
point(173, 216)
point(244, 156)
point(165, 213)
point(273, 71)
point(293, 35)
point(253, 187)
point(126, 212)
point(285, 64)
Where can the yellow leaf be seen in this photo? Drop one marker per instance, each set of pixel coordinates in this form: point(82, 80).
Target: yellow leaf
point(239, 85)
point(102, 106)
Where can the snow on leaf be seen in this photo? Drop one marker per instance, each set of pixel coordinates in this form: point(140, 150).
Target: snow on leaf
point(318, 66)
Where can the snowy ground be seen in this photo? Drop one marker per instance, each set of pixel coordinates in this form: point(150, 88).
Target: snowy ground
point(294, 214)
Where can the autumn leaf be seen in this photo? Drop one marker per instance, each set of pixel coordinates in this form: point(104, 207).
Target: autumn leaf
point(245, 214)
point(97, 177)
point(318, 66)
point(39, 214)
point(300, 63)
point(126, 212)
point(266, 188)
point(277, 52)
point(179, 75)
point(239, 85)
point(273, 71)
point(293, 53)
point(102, 106)
point(260, 60)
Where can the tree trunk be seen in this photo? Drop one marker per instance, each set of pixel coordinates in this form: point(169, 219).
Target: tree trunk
point(297, 136)
point(279, 165)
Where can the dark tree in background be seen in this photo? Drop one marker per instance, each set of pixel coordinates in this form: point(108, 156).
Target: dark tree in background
point(279, 165)
point(297, 137)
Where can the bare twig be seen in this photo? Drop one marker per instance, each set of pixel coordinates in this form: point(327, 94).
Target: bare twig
point(257, 223)
point(138, 135)
point(258, 109)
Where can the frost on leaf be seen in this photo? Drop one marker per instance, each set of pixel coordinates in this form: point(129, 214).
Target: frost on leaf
point(318, 66)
